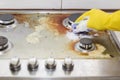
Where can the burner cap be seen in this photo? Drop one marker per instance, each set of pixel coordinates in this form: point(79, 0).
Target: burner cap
point(73, 17)
point(3, 43)
point(6, 19)
point(86, 41)
point(3, 40)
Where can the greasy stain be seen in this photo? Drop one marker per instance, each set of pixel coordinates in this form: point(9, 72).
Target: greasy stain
point(21, 18)
point(29, 18)
point(55, 23)
point(71, 47)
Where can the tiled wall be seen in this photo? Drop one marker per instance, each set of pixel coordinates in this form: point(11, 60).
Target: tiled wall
point(59, 4)
point(30, 4)
point(87, 4)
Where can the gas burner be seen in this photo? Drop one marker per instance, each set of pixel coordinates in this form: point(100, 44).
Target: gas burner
point(5, 45)
point(85, 45)
point(68, 22)
point(7, 21)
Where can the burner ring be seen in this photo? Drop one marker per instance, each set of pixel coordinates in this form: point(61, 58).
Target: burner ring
point(85, 45)
point(70, 20)
point(78, 48)
point(67, 23)
point(5, 45)
point(10, 45)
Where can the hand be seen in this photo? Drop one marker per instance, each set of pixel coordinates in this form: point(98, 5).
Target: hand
point(97, 19)
point(80, 27)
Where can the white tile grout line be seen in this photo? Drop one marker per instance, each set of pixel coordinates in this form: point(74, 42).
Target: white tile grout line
point(61, 4)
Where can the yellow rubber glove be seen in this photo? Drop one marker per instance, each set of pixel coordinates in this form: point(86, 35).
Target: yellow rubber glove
point(100, 20)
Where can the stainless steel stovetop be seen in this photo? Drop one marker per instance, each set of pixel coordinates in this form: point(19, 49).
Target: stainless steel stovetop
point(34, 45)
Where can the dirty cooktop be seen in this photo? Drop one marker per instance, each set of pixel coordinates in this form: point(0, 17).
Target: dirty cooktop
point(43, 35)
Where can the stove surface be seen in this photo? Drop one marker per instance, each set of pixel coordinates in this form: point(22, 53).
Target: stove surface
point(35, 45)
point(42, 35)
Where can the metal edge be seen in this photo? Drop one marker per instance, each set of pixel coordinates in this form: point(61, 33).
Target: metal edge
point(26, 11)
point(37, 10)
point(114, 39)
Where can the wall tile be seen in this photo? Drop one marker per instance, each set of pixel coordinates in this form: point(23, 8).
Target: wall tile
point(88, 4)
point(28, 4)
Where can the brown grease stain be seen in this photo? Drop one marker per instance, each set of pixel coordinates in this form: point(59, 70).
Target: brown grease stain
point(55, 23)
point(71, 47)
point(30, 18)
point(21, 18)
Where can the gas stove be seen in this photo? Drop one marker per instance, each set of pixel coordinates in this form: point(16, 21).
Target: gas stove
point(38, 45)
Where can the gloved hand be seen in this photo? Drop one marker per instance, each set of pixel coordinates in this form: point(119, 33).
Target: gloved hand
point(100, 20)
point(80, 27)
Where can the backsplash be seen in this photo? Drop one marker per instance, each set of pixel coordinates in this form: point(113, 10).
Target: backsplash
point(59, 4)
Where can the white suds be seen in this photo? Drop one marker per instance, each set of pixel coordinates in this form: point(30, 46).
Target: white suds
point(72, 36)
